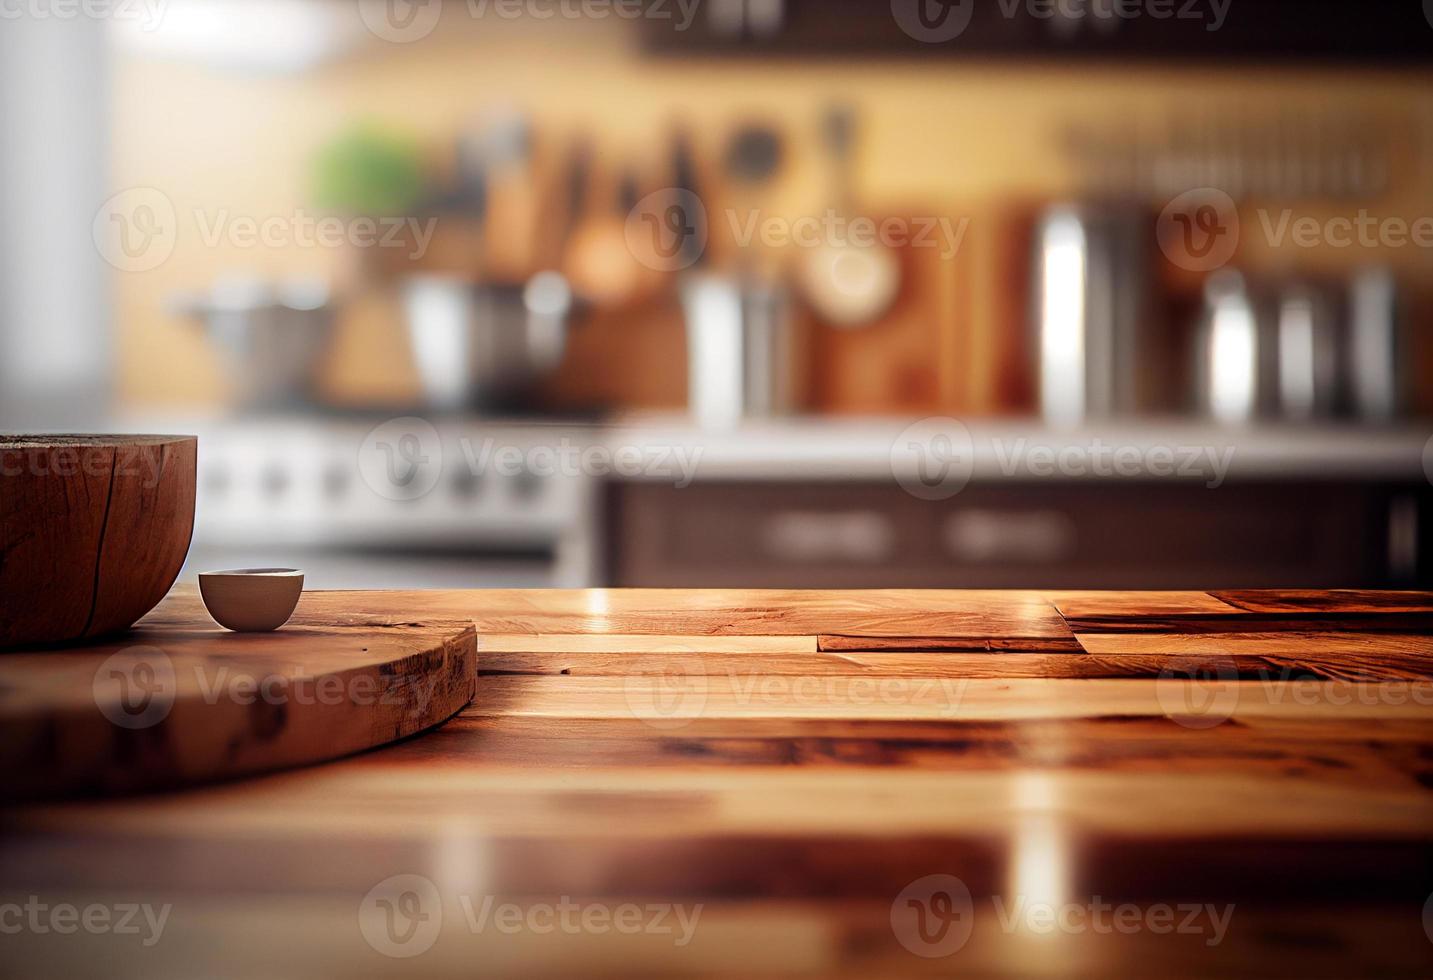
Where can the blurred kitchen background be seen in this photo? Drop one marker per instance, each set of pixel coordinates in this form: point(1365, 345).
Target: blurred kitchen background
point(741, 292)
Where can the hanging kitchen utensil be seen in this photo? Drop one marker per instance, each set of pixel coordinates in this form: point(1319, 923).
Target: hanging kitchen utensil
point(600, 262)
point(513, 201)
point(851, 278)
point(746, 356)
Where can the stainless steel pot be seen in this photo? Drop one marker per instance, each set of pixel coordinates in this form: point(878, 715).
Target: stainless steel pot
point(271, 337)
point(484, 345)
point(1269, 351)
point(745, 355)
point(1099, 351)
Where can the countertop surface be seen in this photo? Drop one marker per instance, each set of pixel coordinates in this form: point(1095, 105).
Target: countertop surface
point(764, 783)
point(670, 447)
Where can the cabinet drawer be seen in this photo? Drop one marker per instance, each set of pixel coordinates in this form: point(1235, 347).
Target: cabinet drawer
point(1054, 535)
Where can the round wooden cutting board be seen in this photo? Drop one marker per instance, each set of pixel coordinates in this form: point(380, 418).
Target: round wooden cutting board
point(179, 700)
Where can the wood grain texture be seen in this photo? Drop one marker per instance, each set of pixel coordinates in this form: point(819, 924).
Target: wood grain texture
point(728, 612)
point(1271, 655)
point(171, 705)
point(1331, 601)
point(793, 790)
point(93, 532)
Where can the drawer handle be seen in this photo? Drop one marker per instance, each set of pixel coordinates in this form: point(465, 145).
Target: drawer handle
point(861, 536)
point(991, 536)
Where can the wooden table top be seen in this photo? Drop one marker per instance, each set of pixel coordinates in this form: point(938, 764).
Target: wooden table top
point(775, 783)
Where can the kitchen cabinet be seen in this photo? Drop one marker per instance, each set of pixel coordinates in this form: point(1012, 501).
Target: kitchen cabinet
point(1198, 30)
point(1031, 534)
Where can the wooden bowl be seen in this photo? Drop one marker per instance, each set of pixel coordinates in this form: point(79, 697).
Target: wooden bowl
point(93, 531)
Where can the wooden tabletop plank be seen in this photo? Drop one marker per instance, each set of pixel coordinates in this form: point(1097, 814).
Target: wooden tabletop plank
point(1269, 655)
point(1138, 605)
point(752, 612)
point(670, 700)
point(689, 805)
point(1331, 601)
point(806, 758)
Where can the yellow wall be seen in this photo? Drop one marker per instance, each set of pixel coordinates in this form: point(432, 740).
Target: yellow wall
point(937, 138)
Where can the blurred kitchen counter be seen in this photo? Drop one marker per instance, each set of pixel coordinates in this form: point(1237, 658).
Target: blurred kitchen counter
point(856, 448)
point(653, 500)
point(874, 449)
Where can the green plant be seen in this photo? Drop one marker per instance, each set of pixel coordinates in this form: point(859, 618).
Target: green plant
point(368, 171)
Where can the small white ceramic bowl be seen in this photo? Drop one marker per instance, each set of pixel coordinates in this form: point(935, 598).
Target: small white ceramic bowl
point(251, 600)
